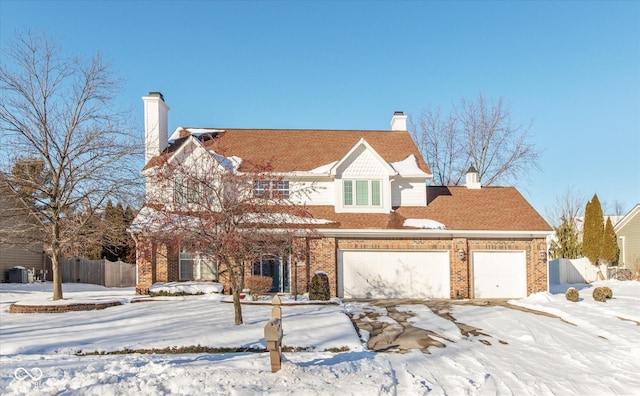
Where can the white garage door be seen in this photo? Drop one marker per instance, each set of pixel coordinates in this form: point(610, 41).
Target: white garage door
point(499, 274)
point(393, 274)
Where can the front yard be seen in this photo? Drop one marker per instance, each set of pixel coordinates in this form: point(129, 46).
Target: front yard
point(592, 348)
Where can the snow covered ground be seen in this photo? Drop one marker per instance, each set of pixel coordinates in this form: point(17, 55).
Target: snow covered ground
point(594, 348)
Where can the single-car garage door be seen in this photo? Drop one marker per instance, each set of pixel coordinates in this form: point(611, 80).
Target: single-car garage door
point(499, 274)
point(393, 274)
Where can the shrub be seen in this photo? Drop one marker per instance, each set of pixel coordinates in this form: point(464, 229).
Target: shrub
point(259, 285)
point(607, 291)
point(599, 294)
point(572, 295)
point(319, 288)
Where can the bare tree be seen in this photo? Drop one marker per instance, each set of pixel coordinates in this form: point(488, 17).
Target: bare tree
point(59, 112)
point(617, 208)
point(476, 133)
point(438, 141)
point(203, 203)
point(569, 205)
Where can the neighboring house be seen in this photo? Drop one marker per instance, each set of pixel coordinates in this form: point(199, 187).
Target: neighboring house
point(13, 251)
point(628, 232)
point(383, 231)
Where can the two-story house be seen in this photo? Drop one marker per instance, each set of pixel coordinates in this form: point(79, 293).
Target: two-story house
point(381, 230)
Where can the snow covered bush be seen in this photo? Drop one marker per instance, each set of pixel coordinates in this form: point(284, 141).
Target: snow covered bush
point(572, 295)
point(258, 285)
point(319, 288)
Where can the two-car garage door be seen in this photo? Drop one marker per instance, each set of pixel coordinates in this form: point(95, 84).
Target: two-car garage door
point(393, 274)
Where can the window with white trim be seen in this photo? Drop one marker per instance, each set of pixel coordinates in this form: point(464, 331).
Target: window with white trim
point(271, 189)
point(186, 264)
point(197, 266)
point(186, 191)
point(362, 192)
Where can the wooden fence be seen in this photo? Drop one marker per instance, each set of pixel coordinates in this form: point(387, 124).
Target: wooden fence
point(98, 272)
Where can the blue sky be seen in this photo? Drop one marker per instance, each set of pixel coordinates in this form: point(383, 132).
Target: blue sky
point(571, 68)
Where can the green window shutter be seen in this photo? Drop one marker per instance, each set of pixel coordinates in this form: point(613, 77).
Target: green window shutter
point(375, 192)
point(348, 192)
point(362, 192)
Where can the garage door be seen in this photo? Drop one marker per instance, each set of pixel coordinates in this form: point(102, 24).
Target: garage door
point(499, 274)
point(393, 274)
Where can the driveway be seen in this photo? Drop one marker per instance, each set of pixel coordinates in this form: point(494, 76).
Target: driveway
point(390, 330)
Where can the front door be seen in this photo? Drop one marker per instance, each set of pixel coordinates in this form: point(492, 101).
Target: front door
point(277, 268)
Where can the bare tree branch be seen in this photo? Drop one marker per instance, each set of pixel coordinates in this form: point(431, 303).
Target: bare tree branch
point(478, 133)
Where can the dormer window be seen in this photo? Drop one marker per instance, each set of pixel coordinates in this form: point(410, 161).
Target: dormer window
point(362, 193)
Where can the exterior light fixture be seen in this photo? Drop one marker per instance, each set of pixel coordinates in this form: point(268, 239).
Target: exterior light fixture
point(543, 255)
point(462, 254)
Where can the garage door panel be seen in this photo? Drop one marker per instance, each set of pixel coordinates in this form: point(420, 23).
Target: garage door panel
point(499, 274)
point(393, 274)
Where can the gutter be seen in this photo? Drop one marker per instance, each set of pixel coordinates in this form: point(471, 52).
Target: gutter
point(433, 233)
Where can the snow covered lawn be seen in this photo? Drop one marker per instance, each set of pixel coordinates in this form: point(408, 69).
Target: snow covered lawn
point(593, 349)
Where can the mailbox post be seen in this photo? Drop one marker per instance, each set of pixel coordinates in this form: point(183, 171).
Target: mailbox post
point(273, 335)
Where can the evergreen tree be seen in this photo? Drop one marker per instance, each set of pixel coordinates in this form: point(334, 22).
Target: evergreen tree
point(567, 243)
point(29, 177)
point(113, 219)
point(593, 232)
point(610, 249)
point(129, 253)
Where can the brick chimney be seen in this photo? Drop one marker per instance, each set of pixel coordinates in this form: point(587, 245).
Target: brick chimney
point(155, 125)
point(399, 121)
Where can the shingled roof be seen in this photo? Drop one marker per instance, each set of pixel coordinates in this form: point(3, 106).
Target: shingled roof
point(458, 208)
point(289, 150)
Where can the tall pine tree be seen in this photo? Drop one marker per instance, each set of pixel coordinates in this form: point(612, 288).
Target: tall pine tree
point(567, 244)
point(593, 231)
point(610, 249)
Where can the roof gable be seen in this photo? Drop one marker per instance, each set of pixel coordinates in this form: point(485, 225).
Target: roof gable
point(361, 160)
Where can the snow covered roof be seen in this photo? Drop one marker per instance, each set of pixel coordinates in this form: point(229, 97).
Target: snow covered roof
point(184, 131)
point(408, 167)
point(151, 220)
point(424, 223)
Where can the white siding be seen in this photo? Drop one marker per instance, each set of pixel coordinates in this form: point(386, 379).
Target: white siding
point(361, 164)
point(408, 192)
point(320, 192)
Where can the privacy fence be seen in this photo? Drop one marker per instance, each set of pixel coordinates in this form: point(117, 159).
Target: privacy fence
point(575, 271)
point(98, 272)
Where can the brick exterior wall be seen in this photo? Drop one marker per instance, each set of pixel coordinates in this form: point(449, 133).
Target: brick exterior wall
point(322, 257)
point(536, 267)
point(159, 263)
point(146, 264)
point(162, 272)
